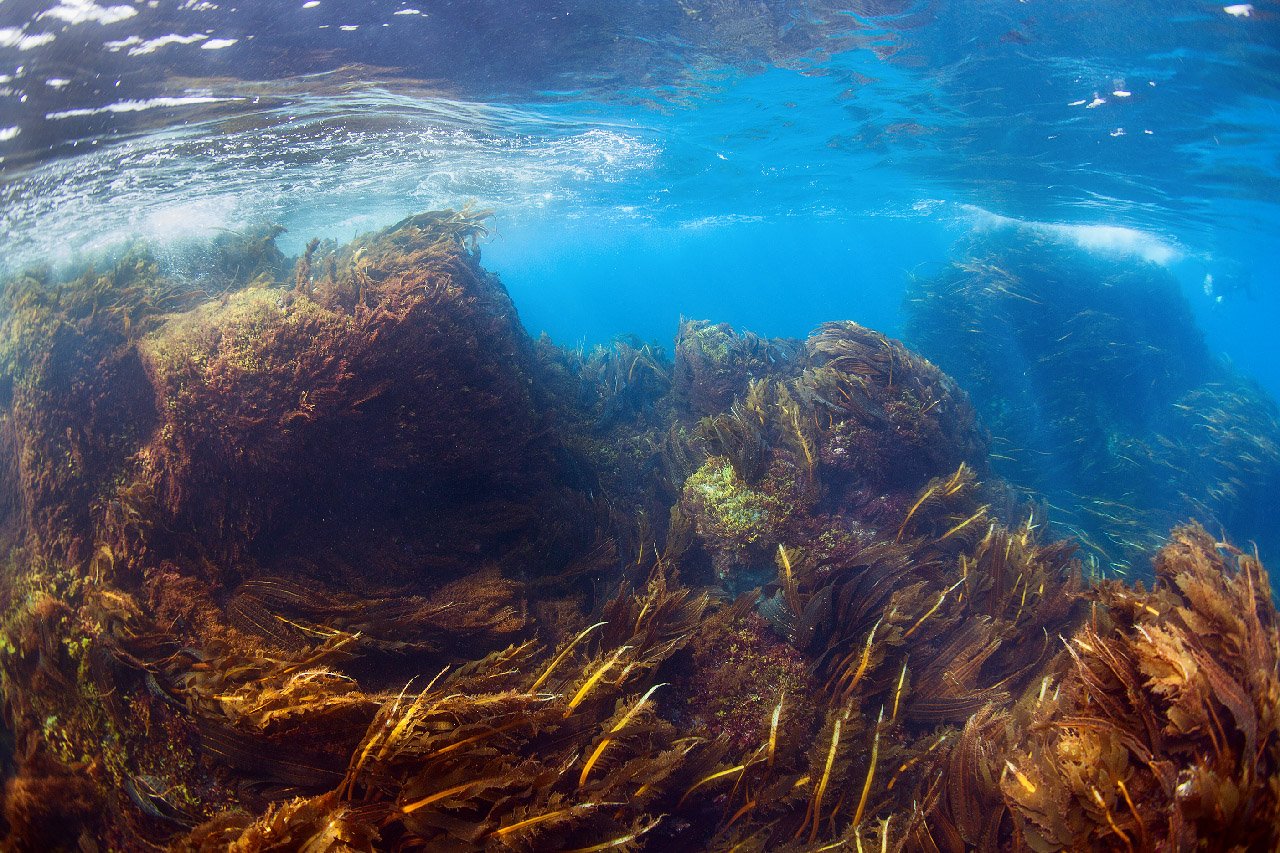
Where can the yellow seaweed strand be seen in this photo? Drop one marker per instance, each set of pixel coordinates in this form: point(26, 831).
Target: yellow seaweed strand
point(599, 750)
point(773, 728)
point(897, 694)
point(546, 673)
point(820, 791)
point(866, 659)
point(932, 610)
point(1027, 784)
point(737, 768)
point(982, 510)
point(537, 819)
point(595, 676)
point(924, 497)
point(1142, 826)
point(871, 772)
point(616, 842)
point(954, 483)
point(439, 795)
point(1102, 804)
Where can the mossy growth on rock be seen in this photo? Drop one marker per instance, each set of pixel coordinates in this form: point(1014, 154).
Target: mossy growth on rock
point(733, 519)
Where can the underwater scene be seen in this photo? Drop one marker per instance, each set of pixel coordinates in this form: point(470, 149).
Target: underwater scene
point(676, 425)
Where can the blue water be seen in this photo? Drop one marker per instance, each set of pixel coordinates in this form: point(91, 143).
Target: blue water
point(772, 165)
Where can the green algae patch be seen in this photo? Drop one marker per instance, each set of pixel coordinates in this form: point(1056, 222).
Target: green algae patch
point(726, 508)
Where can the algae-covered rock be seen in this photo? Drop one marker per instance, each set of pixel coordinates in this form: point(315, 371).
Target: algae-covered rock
point(333, 557)
point(401, 372)
point(1101, 395)
point(733, 519)
point(714, 364)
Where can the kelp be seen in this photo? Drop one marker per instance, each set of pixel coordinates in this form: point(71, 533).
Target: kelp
point(1101, 395)
point(1160, 729)
point(369, 569)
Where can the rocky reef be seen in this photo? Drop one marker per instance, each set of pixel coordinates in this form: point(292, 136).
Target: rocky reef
point(328, 554)
point(1101, 396)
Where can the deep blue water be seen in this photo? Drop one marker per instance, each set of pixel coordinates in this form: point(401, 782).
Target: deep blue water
point(770, 164)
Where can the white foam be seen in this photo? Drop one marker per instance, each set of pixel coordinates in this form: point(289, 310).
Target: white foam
point(57, 82)
point(7, 133)
point(1115, 240)
point(134, 106)
point(1239, 10)
point(14, 37)
point(311, 4)
point(152, 45)
point(407, 12)
point(188, 219)
point(86, 11)
point(218, 44)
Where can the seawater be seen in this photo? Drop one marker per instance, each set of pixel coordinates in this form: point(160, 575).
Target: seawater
point(662, 158)
point(1073, 208)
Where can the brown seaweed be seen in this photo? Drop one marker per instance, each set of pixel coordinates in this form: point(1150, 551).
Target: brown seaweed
point(369, 569)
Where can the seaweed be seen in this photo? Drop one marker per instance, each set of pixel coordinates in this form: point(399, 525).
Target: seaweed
point(1159, 729)
point(1101, 396)
point(369, 569)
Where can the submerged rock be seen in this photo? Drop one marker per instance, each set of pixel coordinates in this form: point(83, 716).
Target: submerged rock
point(1101, 396)
point(337, 558)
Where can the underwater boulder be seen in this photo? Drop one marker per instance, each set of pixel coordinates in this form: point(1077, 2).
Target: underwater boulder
point(395, 380)
point(713, 364)
point(1101, 395)
point(851, 425)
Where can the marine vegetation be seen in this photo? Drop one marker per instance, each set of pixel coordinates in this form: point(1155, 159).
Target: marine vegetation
point(330, 555)
point(1101, 396)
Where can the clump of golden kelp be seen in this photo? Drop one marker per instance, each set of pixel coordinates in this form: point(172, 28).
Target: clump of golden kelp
point(1101, 395)
point(1158, 729)
point(335, 558)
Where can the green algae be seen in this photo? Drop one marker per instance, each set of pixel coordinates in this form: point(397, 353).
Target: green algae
point(727, 508)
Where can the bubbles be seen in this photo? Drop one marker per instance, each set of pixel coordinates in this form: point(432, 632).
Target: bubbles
point(323, 167)
point(1113, 240)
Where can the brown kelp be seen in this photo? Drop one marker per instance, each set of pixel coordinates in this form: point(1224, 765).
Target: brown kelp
point(331, 556)
point(1159, 728)
point(1101, 395)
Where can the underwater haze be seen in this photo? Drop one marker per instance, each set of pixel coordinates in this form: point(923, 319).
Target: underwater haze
point(667, 425)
